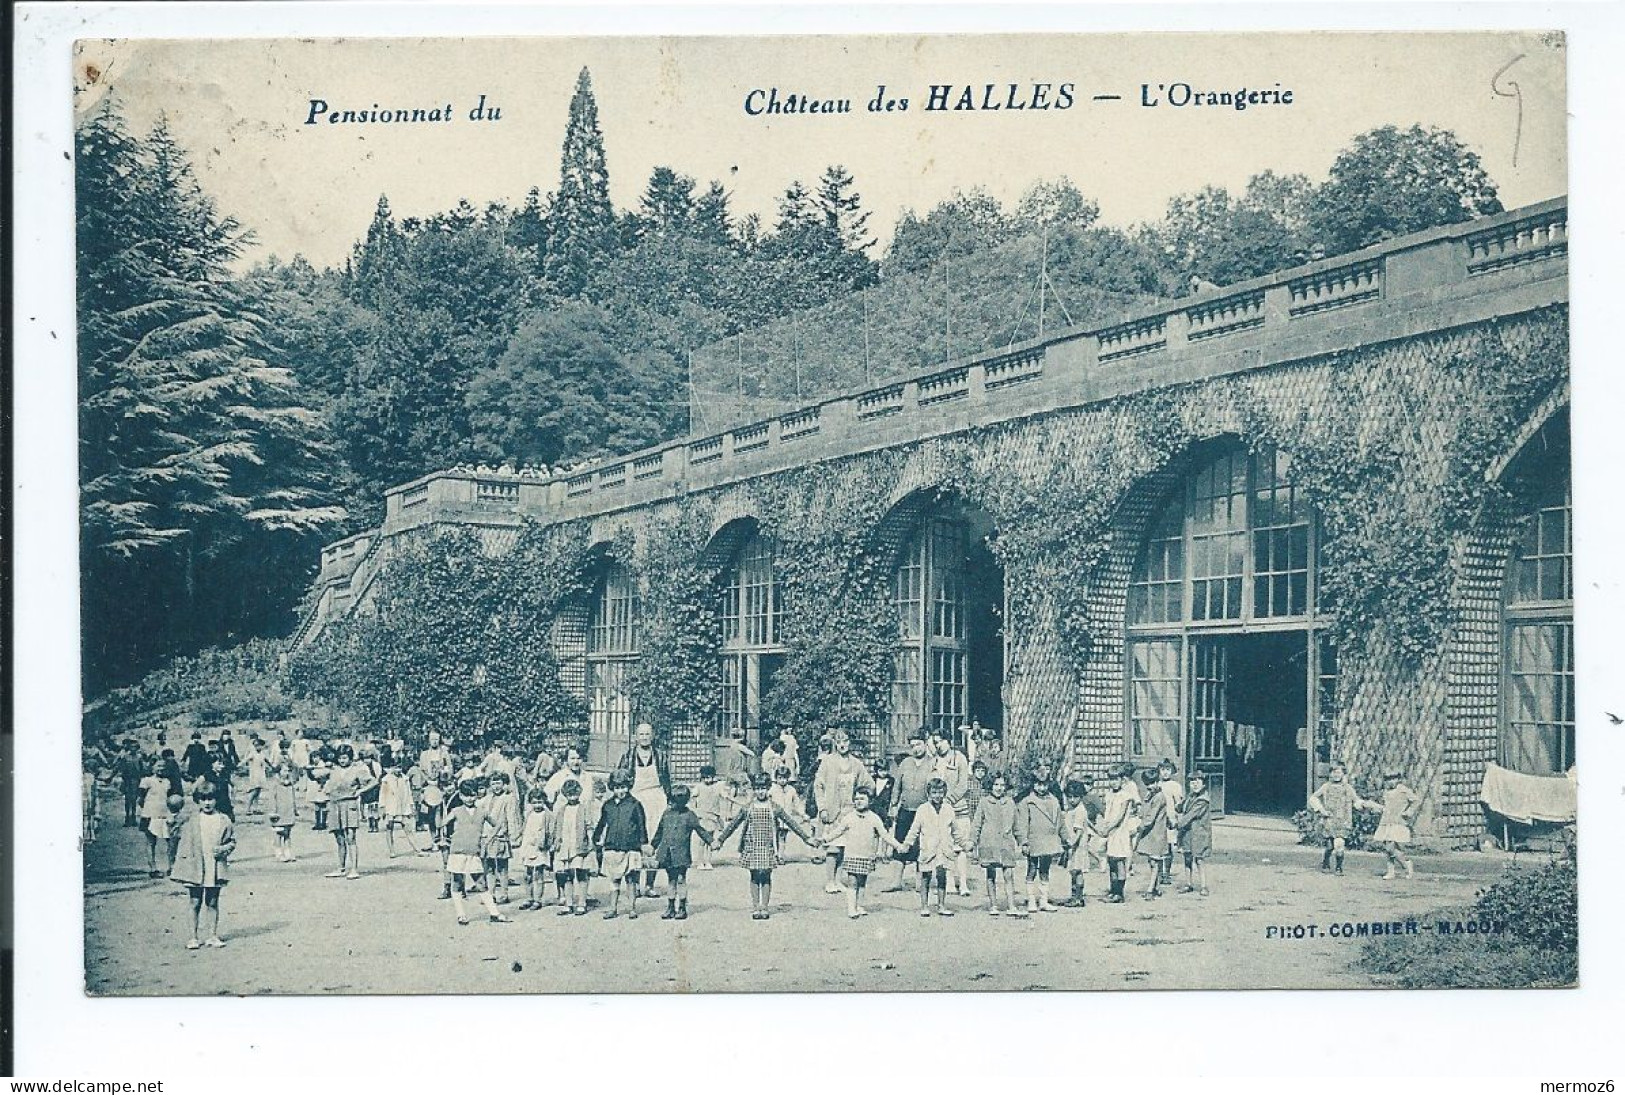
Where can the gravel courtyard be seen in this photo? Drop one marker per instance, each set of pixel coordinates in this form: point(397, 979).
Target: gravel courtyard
point(290, 930)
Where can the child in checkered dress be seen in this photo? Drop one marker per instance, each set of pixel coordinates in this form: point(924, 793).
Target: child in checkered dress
point(758, 843)
point(862, 832)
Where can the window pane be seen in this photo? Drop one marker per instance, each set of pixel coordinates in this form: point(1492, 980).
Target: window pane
point(1543, 565)
point(1155, 716)
point(1280, 521)
point(613, 623)
point(1538, 737)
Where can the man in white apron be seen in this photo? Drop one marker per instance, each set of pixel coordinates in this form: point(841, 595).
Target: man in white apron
point(650, 772)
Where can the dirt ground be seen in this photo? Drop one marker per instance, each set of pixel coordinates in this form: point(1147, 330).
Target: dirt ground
point(290, 930)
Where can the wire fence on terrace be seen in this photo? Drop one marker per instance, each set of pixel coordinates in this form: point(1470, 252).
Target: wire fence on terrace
point(968, 305)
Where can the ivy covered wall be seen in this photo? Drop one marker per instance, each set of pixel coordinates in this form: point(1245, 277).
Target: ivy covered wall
point(1392, 441)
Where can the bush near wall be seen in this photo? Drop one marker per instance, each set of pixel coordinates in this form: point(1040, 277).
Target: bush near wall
point(456, 640)
point(211, 688)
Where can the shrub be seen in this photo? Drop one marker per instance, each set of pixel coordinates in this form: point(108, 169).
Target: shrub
point(1365, 824)
point(1540, 906)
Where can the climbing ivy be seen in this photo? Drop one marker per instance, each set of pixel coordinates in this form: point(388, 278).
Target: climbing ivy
point(456, 639)
point(1391, 442)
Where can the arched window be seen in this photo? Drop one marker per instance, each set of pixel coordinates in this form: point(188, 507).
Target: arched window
point(1537, 724)
point(948, 668)
point(612, 649)
point(1235, 543)
point(1227, 670)
point(751, 604)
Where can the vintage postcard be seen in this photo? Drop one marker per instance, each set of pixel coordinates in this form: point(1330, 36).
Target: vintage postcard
point(830, 513)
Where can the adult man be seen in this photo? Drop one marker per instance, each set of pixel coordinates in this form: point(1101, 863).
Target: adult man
point(195, 760)
point(953, 768)
point(435, 758)
point(228, 749)
point(986, 747)
point(912, 773)
point(130, 770)
point(648, 768)
point(735, 762)
point(839, 774)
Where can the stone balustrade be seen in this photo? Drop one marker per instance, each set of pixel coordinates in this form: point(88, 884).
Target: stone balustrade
point(1449, 275)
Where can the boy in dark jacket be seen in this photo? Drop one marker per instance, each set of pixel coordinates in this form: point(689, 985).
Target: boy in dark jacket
point(1153, 829)
point(674, 843)
point(1195, 833)
point(622, 834)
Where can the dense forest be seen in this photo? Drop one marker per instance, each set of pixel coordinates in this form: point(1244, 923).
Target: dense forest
point(234, 417)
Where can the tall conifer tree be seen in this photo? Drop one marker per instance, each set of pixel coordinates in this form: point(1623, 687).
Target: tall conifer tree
point(583, 222)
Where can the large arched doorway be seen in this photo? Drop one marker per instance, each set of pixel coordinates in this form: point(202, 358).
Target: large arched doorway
point(1228, 671)
point(948, 596)
point(1537, 693)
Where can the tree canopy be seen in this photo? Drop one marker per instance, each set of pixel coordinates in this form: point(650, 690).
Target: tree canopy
point(231, 419)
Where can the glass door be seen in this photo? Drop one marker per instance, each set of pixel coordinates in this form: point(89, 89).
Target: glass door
point(1209, 679)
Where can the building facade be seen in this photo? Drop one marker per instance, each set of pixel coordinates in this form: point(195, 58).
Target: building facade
point(1322, 515)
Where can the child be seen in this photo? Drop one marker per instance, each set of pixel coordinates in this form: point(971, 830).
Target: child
point(153, 791)
point(207, 840)
point(284, 811)
point(91, 818)
point(1117, 826)
point(533, 849)
point(443, 798)
point(1172, 795)
point(507, 823)
point(933, 831)
point(395, 804)
point(861, 832)
point(964, 811)
point(622, 835)
point(674, 845)
point(760, 819)
point(785, 796)
point(1153, 833)
point(1077, 853)
point(1094, 844)
point(317, 775)
point(569, 838)
point(345, 785)
point(709, 801)
point(1335, 801)
point(465, 860)
point(1042, 832)
point(418, 780)
point(1399, 806)
point(993, 835)
point(1195, 833)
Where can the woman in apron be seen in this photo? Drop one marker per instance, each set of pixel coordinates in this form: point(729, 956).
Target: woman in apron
point(647, 767)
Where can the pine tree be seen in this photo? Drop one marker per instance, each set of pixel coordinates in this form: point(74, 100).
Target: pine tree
point(528, 230)
point(667, 206)
point(196, 450)
point(841, 208)
point(583, 222)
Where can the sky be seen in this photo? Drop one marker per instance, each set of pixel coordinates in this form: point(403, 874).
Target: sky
point(240, 108)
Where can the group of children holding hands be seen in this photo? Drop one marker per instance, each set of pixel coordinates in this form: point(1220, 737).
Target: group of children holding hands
point(483, 821)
